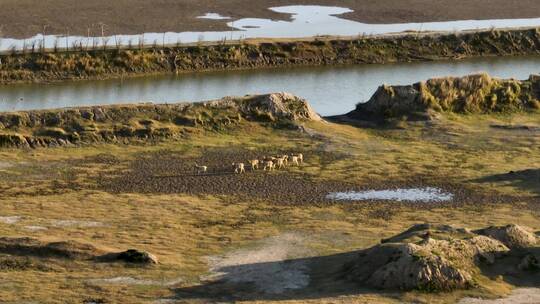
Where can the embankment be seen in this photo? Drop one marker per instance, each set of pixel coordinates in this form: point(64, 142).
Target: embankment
point(101, 64)
point(473, 94)
point(126, 123)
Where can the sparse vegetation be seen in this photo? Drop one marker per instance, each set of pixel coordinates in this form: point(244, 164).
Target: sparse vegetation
point(474, 94)
point(98, 63)
point(98, 182)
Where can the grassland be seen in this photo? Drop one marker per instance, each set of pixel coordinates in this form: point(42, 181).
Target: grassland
point(64, 193)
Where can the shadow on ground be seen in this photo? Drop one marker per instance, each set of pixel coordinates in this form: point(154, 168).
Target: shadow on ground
point(327, 277)
point(528, 180)
point(303, 278)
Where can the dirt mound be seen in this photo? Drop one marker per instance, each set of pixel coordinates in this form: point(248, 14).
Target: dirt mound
point(134, 256)
point(411, 269)
point(469, 94)
point(422, 231)
point(513, 236)
point(282, 106)
point(34, 247)
point(147, 121)
point(71, 250)
point(429, 264)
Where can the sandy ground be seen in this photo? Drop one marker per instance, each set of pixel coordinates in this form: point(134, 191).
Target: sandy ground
point(518, 296)
point(133, 281)
point(25, 18)
point(272, 278)
point(10, 220)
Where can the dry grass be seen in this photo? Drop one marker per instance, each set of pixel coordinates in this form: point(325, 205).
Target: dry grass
point(77, 64)
point(47, 185)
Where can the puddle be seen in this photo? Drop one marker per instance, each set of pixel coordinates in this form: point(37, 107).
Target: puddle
point(213, 16)
point(264, 265)
point(10, 220)
point(134, 281)
point(518, 296)
point(76, 223)
point(35, 228)
point(306, 21)
point(428, 194)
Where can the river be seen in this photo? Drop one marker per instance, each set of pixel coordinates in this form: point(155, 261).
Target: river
point(330, 89)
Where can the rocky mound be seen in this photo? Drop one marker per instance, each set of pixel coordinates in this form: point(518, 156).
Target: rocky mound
point(119, 122)
point(469, 94)
point(513, 236)
point(71, 250)
point(133, 256)
point(420, 232)
point(439, 257)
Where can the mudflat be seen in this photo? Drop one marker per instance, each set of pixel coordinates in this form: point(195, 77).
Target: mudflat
point(25, 18)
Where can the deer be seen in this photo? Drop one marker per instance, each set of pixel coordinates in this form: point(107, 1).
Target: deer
point(269, 165)
point(279, 163)
point(299, 157)
point(238, 168)
point(200, 169)
point(254, 163)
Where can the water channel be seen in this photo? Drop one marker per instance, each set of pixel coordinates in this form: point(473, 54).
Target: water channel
point(330, 89)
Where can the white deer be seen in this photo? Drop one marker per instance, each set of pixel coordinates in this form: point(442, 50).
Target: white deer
point(238, 168)
point(201, 169)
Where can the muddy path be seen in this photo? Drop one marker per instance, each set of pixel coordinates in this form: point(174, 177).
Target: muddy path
point(25, 18)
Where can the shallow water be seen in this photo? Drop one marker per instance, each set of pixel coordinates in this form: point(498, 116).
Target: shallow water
point(214, 16)
point(306, 21)
point(330, 89)
point(426, 195)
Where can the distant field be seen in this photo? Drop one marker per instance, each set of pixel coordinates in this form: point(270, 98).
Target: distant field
point(25, 18)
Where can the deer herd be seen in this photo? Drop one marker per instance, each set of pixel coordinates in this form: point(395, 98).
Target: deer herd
point(268, 163)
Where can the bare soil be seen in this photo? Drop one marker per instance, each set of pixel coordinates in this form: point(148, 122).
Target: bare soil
point(518, 296)
point(167, 173)
point(25, 18)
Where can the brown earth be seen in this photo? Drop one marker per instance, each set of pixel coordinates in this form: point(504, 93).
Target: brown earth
point(25, 18)
point(167, 172)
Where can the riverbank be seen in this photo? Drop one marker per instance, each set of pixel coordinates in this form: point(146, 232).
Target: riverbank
point(250, 54)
